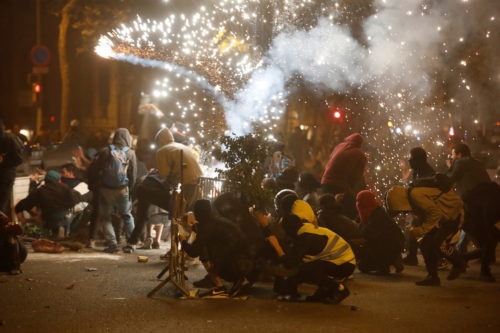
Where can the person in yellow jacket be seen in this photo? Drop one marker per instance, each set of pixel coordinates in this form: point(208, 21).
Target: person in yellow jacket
point(441, 212)
point(321, 258)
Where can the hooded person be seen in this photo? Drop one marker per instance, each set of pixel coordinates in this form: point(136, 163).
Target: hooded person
point(11, 150)
point(384, 240)
point(344, 172)
point(220, 242)
point(441, 213)
point(421, 168)
point(307, 189)
point(55, 200)
point(155, 188)
point(112, 175)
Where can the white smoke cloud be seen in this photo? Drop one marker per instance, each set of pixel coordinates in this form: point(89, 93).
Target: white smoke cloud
point(402, 50)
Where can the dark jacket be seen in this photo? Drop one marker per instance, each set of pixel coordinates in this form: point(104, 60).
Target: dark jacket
point(339, 224)
point(467, 173)
point(53, 199)
point(121, 139)
point(11, 150)
point(382, 234)
point(346, 165)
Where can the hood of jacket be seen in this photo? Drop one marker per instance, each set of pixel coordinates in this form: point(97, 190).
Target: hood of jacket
point(122, 138)
point(164, 137)
point(354, 140)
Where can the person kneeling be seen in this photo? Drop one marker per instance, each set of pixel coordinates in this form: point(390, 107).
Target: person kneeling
point(322, 258)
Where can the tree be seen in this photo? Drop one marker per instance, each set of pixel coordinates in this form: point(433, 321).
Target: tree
point(244, 157)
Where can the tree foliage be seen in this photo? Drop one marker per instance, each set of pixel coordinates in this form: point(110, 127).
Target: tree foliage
point(244, 157)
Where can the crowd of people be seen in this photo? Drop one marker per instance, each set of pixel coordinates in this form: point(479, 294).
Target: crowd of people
point(316, 232)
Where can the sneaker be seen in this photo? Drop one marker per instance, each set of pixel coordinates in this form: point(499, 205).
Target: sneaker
point(398, 265)
point(217, 291)
point(429, 281)
point(288, 298)
point(410, 261)
point(240, 288)
point(156, 245)
point(456, 270)
point(128, 249)
point(339, 295)
point(15, 272)
point(90, 244)
point(147, 244)
point(443, 264)
point(111, 249)
point(205, 283)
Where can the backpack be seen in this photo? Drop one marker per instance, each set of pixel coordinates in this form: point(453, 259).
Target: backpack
point(114, 174)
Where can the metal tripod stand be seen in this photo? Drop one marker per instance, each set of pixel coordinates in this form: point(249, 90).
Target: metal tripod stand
point(176, 264)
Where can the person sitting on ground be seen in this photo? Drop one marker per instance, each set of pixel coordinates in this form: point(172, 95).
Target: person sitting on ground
point(330, 217)
point(221, 243)
point(55, 200)
point(307, 189)
point(321, 258)
point(441, 212)
point(12, 251)
point(384, 239)
point(481, 199)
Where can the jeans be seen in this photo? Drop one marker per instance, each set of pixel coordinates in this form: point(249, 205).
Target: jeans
point(115, 201)
point(434, 246)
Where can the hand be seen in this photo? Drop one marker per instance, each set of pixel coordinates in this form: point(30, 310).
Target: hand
point(449, 163)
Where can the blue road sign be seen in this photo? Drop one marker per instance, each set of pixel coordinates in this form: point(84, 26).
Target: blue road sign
point(40, 55)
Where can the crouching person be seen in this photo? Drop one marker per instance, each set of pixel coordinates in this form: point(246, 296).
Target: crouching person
point(221, 245)
point(322, 258)
point(12, 250)
point(440, 211)
point(384, 239)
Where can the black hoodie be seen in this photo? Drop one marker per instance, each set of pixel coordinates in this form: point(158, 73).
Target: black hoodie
point(121, 139)
point(11, 150)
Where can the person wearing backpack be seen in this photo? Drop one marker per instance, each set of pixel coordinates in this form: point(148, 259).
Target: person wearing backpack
point(441, 212)
point(112, 175)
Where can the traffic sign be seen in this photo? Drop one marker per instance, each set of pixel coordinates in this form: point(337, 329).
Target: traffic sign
point(40, 55)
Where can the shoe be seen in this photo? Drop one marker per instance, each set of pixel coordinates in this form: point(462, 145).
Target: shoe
point(487, 277)
point(398, 266)
point(111, 249)
point(410, 261)
point(205, 283)
point(128, 249)
point(90, 244)
point(289, 298)
point(156, 245)
point(147, 244)
point(339, 295)
point(443, 264)
point(217, 291)
point(456, 270)
point(429, 281)
point(240, 288)
point(15, 272)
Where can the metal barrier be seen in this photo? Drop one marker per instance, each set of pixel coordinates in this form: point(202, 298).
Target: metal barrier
point(211, 188)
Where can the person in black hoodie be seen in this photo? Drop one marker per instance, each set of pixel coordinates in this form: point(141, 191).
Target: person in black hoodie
point(55, 200)
point(12, 250)
point(222, 243)
point(384, 239)
point(11, 149)
point(481, 199)
point(330, 216)
point(112, 175)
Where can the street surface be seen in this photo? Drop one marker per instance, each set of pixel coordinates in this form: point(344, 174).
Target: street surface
point(59, 293)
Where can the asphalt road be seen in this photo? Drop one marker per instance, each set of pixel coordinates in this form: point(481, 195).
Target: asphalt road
point(57, 293)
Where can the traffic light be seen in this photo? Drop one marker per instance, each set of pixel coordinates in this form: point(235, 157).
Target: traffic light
point(37, 88)
point(336, 115)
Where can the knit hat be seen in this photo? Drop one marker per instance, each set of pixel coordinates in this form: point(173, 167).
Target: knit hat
point(52, 177)
point(397, 199)
point(366, 203)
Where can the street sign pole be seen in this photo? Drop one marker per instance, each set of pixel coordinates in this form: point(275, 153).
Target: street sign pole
point(39, 111)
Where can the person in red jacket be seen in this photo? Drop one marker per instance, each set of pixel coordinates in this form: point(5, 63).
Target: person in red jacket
point(344, 172)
